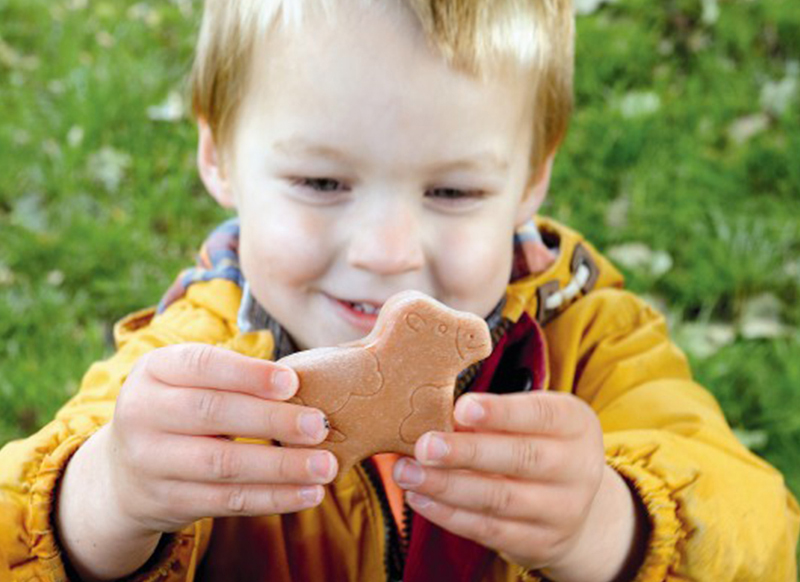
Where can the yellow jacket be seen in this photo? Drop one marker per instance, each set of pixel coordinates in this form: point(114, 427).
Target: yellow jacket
point(718, 513)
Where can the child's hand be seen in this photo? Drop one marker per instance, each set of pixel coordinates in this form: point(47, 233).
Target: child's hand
point(168, 467)
point(526, 476)
point(160, 465)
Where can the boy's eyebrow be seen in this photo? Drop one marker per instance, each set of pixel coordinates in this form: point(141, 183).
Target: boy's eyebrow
point(485, 160)
point(296, 147)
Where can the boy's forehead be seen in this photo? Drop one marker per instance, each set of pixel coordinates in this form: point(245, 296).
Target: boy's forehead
point(381, 96)
point(450, 131)
point(265, 48)
point(384, 58)
point(369, 31)
point(356, 31)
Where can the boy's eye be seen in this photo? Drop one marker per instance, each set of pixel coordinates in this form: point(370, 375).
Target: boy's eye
point(320, 184)
point(455, 193)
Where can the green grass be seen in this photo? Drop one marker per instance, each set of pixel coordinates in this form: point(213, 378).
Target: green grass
point(79, 248)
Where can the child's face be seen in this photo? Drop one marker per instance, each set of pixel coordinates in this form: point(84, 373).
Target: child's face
point(362, 165)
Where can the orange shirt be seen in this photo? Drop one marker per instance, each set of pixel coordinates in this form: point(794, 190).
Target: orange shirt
point(385, 464)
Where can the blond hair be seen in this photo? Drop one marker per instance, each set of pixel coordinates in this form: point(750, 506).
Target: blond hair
point(472, 35)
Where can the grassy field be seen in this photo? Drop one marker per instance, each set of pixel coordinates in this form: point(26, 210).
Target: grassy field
point(682, 163)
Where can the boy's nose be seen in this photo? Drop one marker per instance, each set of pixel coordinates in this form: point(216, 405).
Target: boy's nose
point(387, 245)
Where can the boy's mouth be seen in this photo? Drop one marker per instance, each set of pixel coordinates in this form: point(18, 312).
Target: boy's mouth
point(361, 313)
point(363, 307)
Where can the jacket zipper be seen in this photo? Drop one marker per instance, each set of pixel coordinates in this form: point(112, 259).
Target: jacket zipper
point(394, 557)
point(408, 520)
point(397, 545)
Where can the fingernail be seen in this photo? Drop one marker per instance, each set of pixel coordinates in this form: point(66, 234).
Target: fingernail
point(285, 383)
point(314, 425)
point(420, 501)
point(311, 495)
point(435, 447)
point(408, 473)
point(320, 466)
point(471, 411)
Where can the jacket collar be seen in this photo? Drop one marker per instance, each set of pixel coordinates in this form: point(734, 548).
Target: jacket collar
point(577, 270)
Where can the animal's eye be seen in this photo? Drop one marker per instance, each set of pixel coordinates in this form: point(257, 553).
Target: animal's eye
point(415, 322)
point(442, 329)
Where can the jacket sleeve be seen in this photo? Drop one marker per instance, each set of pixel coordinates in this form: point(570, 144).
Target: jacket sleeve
point(30, 469)
point(717, 511)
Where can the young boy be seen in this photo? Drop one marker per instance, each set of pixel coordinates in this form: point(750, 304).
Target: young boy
point(367, 148)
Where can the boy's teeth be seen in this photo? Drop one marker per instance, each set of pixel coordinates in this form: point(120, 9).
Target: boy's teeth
point(365, 308)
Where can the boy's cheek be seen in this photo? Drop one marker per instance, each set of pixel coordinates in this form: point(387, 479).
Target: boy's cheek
point(474, 271)
point(284, 248)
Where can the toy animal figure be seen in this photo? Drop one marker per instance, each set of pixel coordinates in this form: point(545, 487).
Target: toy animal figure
point(383, 392)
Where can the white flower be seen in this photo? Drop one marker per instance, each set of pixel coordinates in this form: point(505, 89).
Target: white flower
point(172, 109)
point(777, 96)
point(584, 7)
point(640, 257)
point(745, 128)
point(108, 167)
point(703, 340)
point(639, 104)
point(761, 318)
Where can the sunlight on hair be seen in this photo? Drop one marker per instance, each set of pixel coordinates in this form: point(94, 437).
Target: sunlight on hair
point(476, 36)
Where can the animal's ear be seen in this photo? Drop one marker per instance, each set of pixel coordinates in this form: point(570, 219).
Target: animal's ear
point(415, 321)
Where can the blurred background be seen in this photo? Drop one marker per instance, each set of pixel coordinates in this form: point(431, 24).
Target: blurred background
point(682, 164)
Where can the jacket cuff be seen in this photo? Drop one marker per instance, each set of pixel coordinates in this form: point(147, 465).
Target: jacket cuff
point(173, 559)
point(173, 556)
point(666, 530)
point(40, 525)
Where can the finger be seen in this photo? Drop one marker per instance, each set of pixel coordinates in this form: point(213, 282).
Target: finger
point(200, 500)
point(216, 412)
point(541, 459)
point(212, 460)
point(476, 492)
point(499, 534)
point(540, 413)
point(206, 366)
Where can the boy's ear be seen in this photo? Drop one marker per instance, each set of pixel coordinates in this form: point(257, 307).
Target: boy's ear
point(212, 172)
point(535, 192)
